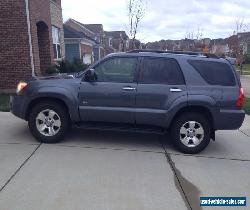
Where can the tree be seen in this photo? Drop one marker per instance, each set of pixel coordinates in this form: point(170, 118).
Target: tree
point(240, 40)
point(194, 34)
point(136, 12)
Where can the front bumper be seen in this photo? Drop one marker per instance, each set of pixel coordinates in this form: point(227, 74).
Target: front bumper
point(227, 119)
point(17, 106)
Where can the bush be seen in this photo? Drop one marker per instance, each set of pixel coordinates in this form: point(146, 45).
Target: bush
point(65, 66)
point(246, 58)
point(52, 70)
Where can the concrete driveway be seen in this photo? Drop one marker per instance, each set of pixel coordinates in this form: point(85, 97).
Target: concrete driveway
point(117, 171)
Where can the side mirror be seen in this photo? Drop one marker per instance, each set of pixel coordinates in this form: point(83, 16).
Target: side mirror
point(90, 75)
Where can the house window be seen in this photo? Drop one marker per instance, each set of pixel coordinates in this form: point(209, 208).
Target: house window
point(56, 42)
point(110, 42)
point(127, 44)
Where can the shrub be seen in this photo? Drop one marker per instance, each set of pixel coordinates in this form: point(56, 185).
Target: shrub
point(65, 66)
point(246, 58)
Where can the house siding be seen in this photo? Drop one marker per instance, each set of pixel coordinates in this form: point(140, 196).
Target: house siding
point(72, 52)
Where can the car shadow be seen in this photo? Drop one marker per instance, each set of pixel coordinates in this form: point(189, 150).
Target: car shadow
point(114, 140)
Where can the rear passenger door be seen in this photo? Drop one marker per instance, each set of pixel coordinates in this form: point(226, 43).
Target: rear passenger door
point(160, 83)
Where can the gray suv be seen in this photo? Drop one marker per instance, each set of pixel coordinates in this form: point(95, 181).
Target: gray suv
point(187, 95)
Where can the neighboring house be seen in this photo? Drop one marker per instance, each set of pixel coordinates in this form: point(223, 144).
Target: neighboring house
point(206, 41)
point(27, 47)
point(106, 42)
point(219, 47)
point(78, 45)
point(98, 49)
point(244, 41)
point(116, 40)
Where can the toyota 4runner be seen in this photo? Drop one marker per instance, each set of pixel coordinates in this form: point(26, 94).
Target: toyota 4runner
point(186, 94)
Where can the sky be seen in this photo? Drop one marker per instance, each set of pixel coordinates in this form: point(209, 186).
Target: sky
point(164, 19)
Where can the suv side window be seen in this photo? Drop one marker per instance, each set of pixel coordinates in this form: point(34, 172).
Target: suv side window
point(214, 73)
point(120, 69)
point(161, 71)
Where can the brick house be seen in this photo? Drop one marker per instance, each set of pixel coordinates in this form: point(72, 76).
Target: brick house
point(31, 34)
point(118, 40)
point(92, 31)
point(106, 42)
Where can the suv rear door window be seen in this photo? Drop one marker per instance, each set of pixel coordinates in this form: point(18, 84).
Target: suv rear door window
point(161, 71)
point(121, 70)
point(214, 73)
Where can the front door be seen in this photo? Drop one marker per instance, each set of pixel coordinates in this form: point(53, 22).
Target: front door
point(111, 98)
point(161, 82)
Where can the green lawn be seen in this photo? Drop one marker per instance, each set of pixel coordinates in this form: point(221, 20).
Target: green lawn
point(246, 69)
point(247, 105)
point(4, 102)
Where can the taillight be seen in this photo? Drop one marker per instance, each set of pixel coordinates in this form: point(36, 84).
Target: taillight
point(240, 100)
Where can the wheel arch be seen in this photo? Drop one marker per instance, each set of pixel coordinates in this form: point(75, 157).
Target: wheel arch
point(197, 109)
point(38, 100)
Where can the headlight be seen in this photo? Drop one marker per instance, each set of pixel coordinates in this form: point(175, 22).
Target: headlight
point(21, 86)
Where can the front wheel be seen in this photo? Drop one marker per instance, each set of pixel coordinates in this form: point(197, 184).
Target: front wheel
point(191, 133)
point(49, 122)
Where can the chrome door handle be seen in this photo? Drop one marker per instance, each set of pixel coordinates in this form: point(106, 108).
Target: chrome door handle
point(175, 90)
point(129, 88)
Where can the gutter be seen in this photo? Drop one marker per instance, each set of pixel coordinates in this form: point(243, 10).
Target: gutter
point(30, 38)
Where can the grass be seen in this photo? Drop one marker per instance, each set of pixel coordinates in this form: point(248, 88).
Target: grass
point(246, 69)
point(4, 103)
point(246, 105)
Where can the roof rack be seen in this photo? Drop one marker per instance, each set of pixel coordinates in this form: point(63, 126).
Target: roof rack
point(207, 55)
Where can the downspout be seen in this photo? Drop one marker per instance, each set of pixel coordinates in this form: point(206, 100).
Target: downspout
point(30, 38)
point(99, 48)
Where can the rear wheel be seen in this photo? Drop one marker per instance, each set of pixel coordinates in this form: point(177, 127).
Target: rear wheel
point(191, 133)
point(49, 122)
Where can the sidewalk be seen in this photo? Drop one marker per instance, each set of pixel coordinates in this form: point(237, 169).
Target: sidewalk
point(245, 81)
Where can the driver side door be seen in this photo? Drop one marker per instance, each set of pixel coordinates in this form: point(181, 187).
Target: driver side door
point(111, 97)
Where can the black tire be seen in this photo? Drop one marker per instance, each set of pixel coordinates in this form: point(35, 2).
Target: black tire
point(176, 132)
point(60, 110)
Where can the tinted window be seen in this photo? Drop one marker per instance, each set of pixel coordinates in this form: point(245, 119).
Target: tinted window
point(214, 73)
point(161, 71)
point(116, 70)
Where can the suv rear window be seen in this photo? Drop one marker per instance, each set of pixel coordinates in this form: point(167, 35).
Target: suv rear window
point(161, 71)
point(214, 73)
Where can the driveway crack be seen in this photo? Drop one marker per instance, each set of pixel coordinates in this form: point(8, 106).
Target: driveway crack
point(188, 191)
point(20, 167)
point(244, 133)
point(181, 190)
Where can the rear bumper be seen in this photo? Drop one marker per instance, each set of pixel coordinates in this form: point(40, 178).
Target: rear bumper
point(227, 119)
point(17, 106)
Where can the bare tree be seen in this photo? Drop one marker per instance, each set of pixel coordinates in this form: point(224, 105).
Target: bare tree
point(136, 12)
point(240, 40)
point(189, 35)
point(196, 37)
point(194, 34)
point(199, 33)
